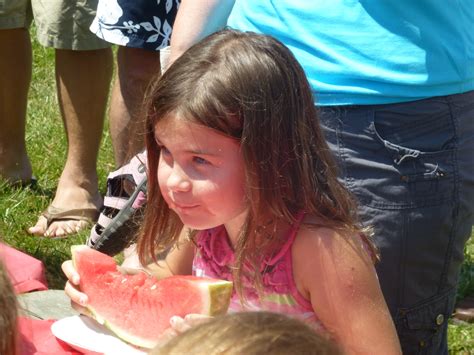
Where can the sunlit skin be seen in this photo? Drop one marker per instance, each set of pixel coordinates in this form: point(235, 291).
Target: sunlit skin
point(201, 175)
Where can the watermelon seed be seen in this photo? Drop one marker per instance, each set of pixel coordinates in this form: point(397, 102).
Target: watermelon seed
point(153, 287)
point(124, 280)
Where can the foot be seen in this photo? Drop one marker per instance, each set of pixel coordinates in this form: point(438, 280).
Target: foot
point(70, 195)
point(57, 229)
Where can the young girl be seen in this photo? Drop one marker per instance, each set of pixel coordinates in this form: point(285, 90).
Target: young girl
point(236, 155)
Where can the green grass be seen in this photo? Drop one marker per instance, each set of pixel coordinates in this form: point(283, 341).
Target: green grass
point(46, 141)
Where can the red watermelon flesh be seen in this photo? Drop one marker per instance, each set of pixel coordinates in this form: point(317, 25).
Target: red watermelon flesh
point(137, 308)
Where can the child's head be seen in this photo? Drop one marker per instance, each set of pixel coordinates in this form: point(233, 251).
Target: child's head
point(236, 112)
point(250, 333)
point(8, 314)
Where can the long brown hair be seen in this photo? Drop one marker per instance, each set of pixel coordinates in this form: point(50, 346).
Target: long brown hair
point(8, 314)
point(249, 87)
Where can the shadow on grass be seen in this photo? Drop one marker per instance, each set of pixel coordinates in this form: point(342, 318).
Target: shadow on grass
point(39, 191)
point(31, 188)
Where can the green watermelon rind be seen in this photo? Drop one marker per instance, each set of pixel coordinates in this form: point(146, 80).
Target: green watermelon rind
point(122, 334)
point(219, 291)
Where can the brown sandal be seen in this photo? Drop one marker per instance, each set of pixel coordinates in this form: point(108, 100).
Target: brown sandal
point(54, 214)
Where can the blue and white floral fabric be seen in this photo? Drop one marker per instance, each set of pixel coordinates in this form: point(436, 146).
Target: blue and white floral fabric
point(143, 24)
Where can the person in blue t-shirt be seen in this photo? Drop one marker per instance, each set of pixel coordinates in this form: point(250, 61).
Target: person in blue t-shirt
point(394, 84)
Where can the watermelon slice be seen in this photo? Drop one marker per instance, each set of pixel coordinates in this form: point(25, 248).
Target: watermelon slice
point(137, 308)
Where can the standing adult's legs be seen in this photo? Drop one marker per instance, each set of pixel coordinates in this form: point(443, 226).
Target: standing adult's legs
point(135, 69)
point(15, 69)
point(83, 79)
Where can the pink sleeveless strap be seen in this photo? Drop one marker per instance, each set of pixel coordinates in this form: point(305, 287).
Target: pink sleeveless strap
point(289, 242)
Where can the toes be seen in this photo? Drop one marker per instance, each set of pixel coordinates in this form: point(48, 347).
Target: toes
point(56, 230)
point(52, 230)
point(40, 227)
point(69, 230)
point(36, 230)
point(61, 229)
point(81, 225)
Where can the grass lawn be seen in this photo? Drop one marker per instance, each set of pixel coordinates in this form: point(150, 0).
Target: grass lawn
point(47, 150)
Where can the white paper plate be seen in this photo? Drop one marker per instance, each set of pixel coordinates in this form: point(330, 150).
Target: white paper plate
point(85, 334)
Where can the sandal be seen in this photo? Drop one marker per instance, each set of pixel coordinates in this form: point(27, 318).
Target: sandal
point(54, 214)
point(123, 208)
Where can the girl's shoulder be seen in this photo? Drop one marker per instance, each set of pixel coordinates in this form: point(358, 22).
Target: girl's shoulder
point(315, 239)
point(322, 254)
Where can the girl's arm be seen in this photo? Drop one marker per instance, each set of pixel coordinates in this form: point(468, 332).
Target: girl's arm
point(335, 272)
point(196, 20)
point(179, 260)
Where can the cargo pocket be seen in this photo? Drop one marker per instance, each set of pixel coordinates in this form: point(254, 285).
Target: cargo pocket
point(421, 328)
point(418, 155)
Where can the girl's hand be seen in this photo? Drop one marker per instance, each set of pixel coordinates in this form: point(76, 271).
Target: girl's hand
point(179, 325)
point(78, 298)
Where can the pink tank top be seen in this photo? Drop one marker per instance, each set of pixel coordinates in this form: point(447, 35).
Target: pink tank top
point(213, 256)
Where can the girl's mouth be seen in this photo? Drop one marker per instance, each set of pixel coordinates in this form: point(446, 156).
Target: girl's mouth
point(183, 208)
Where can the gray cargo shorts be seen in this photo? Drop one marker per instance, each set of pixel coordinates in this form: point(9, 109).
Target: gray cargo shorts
point(61, 24)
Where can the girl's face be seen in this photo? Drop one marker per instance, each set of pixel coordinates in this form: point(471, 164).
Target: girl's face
point(200, 174)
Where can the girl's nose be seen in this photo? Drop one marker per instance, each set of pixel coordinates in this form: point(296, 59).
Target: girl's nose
point(178, 181)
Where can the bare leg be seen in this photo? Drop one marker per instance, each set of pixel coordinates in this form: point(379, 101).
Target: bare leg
point(15, 69)
point(136, 68)
point(83, 79)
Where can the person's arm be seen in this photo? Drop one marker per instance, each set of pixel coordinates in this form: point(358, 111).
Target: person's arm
point(337, 275)
point(179, 260)
point(196, 20)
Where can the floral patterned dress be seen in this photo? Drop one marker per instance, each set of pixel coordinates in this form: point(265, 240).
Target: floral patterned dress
point(143, 24)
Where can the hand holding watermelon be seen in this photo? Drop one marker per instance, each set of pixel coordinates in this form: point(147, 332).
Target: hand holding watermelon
point(138, 308)
point(181, 324)
point(78, 298)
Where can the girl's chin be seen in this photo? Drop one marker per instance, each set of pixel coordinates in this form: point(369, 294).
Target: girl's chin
point(196, 223)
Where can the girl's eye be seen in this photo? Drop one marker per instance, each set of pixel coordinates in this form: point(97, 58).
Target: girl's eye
point(201, 161)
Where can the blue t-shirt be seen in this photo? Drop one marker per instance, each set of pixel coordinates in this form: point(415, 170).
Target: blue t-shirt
point(371, 51)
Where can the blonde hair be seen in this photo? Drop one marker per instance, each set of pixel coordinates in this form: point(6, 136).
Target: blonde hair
point(249, 333)
point(8, 314)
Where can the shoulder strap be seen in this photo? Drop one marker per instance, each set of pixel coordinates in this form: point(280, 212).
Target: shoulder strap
point(292, 233)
